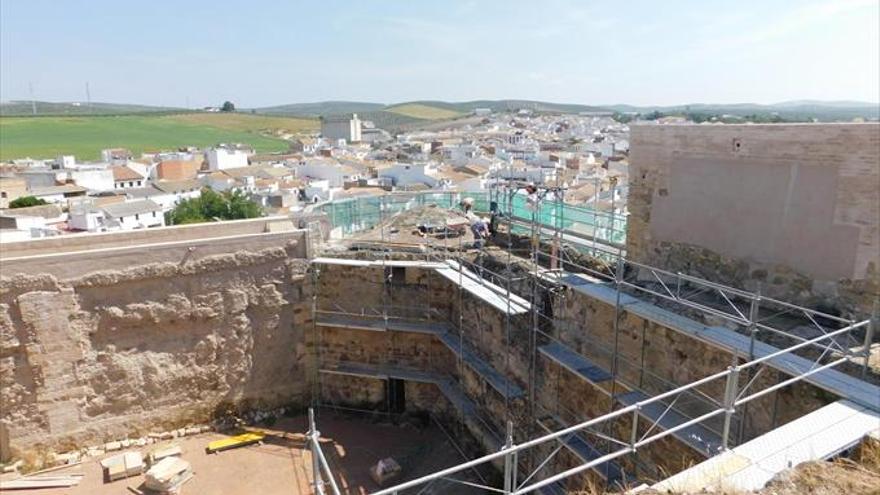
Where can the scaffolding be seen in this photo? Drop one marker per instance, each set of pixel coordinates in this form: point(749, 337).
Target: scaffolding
point(560, 250)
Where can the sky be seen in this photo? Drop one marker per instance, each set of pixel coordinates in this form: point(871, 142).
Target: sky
point(260, 53)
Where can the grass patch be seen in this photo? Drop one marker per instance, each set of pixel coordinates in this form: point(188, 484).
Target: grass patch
point(85, 137)
point(419, 111)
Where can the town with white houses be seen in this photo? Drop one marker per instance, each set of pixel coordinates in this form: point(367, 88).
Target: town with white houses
point(584, 154)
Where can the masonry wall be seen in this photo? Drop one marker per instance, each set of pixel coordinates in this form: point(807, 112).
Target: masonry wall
point(651, 358)
point(96, 347)
point(794, 208)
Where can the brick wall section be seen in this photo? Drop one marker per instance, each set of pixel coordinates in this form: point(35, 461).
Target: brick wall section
point(792, 207)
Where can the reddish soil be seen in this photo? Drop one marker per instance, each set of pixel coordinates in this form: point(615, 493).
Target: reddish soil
point(282, 464)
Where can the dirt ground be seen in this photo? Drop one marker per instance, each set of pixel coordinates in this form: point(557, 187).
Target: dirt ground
point(282, 463)
point(402, 228)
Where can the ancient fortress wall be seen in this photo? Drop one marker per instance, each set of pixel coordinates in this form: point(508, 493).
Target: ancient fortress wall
point(98, 345)
point(794, 208)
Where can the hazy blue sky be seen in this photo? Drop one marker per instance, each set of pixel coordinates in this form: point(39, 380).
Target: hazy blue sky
point(260, 53)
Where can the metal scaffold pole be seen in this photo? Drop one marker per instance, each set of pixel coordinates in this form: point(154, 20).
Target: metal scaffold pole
point(869, 337)
point(316, 338)
point(314, 435)
point(509, 461)
point(754, 311)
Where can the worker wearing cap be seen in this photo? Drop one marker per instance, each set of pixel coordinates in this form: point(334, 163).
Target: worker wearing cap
point(532, 199)
point(479, 226)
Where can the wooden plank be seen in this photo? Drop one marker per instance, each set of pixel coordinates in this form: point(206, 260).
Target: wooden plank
point(574, 362)
point(31, 483)
point(484, 290)
point(493, 377)
point(377, 263)
point(234, 442)
point(696, 436)
point(379, 324)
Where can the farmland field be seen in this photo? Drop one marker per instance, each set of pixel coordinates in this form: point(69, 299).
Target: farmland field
point(419, 111)
point(85, 137)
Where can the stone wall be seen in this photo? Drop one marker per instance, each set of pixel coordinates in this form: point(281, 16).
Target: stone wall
point(89, 356)
point(792, 208)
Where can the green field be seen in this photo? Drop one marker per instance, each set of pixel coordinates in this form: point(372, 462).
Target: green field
point(85, 137)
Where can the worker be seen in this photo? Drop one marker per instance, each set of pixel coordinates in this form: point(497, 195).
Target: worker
point(532, 198)
point(479, 227)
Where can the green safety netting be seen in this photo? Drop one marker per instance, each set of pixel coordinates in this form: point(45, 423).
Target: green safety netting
point(352, 215)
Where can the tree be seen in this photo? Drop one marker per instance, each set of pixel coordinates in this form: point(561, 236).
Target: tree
point(25, 201)
point(241, 207)
point(228, 106)
point(212, 206)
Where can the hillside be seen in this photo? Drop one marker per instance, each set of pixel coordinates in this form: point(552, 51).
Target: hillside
point(322, 108)
point(429, 110)
point(24, 108)
point(795, 110)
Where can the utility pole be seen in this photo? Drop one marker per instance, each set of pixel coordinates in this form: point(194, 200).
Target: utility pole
point(88, 98)
point(33, 102)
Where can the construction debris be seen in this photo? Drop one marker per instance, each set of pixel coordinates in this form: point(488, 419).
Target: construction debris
point(122, 466)
point(41, 481)
point(168, 475)
point(163, 451)
point(385, 470)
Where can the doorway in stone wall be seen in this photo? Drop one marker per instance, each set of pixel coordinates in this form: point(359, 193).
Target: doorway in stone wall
point(396, 396)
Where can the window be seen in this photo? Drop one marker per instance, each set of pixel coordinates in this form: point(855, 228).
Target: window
point(137, 216)
point(154, 214)
point(3, 194)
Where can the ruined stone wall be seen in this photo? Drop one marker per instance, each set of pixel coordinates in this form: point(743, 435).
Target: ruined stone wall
point(794, 208)
point(651, 358)
point(400, 349)
point(89, 355)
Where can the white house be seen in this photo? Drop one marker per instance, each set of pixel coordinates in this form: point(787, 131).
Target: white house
point(407, 174)
point(57, 194)
point(133, 215)
point(538, 175)
point(175, 191)
point(95, 179)
point(317, 190)
point(126, 178)
point(35, 221)
point(223, 157)
point(65, 161)
point(85, 216)
point(335, 174)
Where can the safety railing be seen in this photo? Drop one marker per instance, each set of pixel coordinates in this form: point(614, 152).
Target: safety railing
point(641, 435)
point(322, 476)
